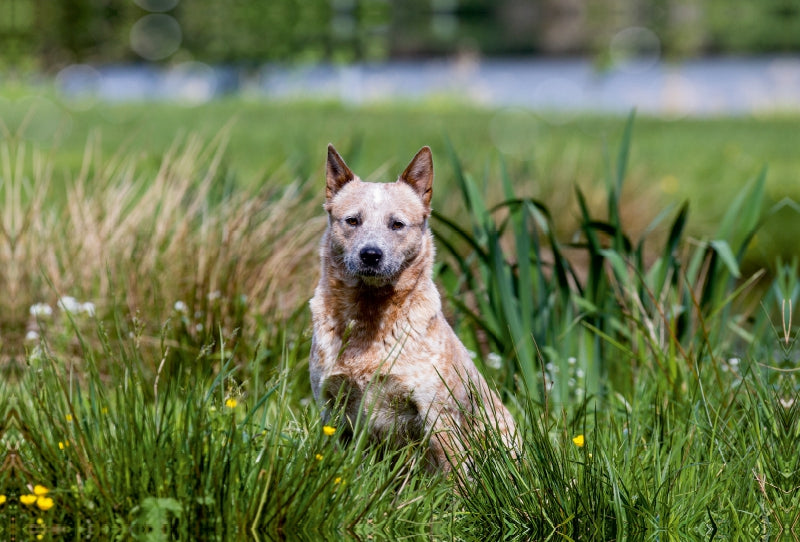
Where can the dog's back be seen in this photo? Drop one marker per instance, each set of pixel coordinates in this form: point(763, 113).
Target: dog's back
point(380, 339)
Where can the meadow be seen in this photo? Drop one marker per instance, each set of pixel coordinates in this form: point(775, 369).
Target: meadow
point(629, 285)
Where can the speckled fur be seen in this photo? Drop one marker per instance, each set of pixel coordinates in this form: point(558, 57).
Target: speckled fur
point(380, 339)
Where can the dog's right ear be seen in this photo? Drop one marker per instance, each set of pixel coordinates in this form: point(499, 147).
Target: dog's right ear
point(337, 174)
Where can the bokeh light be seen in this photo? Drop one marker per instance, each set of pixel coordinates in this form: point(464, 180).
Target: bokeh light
point(79, 86)
point(634, 49)
point(156, 36)
point(39, 120)
point(158, 6)
point(514, 131)
point(191, 83)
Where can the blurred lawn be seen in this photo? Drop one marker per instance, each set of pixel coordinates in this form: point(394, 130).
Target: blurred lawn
point(703, 160)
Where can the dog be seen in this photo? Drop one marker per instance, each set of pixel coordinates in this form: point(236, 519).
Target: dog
point(381, 346)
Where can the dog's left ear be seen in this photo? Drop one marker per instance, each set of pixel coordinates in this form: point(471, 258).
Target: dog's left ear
point(419, 174)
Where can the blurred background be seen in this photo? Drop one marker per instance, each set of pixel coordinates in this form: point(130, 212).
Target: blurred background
point(666, 57)
point(537, 89)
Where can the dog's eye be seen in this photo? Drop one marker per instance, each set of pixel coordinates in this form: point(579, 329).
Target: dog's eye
point(351, 221)
point(397, 225)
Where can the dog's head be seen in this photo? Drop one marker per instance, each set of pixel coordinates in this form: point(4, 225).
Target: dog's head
point(376, 230)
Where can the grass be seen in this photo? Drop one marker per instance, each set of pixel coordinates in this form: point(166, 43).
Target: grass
point(674, 160)
point(653, 376)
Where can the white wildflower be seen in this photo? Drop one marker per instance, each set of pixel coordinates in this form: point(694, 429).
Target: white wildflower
point(180, 306)
point(733, 362)
point(494, 360)
point(472, 354)
point(572, 360)
point(198, 328)
point(88, 308)
point(41, 310)
point(216, 294)
point(69, 304)
point(32, 335)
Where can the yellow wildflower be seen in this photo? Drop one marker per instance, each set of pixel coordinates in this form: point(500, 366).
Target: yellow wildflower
point(579, 441)
point(68, 417)
point(337, 480)
point(40, 490)
point(44, 503)
point(328, 430)
point(319, 457)
point(39, 521)
point(231, 403)
point(28, 499)
point(3, 499)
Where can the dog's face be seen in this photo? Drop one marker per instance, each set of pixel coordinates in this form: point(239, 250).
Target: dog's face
point(376, 230)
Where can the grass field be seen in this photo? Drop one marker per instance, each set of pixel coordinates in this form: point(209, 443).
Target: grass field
point(156, 262)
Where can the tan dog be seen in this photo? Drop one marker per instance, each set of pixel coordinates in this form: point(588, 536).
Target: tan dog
point(380, 339)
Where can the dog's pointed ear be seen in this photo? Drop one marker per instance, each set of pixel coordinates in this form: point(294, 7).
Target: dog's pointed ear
point(419, 174)
point(337, 174)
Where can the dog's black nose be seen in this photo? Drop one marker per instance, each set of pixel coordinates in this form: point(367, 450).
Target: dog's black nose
point(371, 256)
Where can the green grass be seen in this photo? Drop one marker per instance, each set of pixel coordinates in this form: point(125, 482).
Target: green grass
point(704, 161)
point(177, 405)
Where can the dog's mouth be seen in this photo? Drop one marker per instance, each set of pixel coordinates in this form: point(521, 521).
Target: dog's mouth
point(373, 276)
point(370, 275)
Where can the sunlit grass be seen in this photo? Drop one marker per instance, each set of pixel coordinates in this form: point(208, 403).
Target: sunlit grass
point(155, 338)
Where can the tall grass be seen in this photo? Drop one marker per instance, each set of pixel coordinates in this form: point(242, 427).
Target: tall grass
point(169, 399)
point(183, 245)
